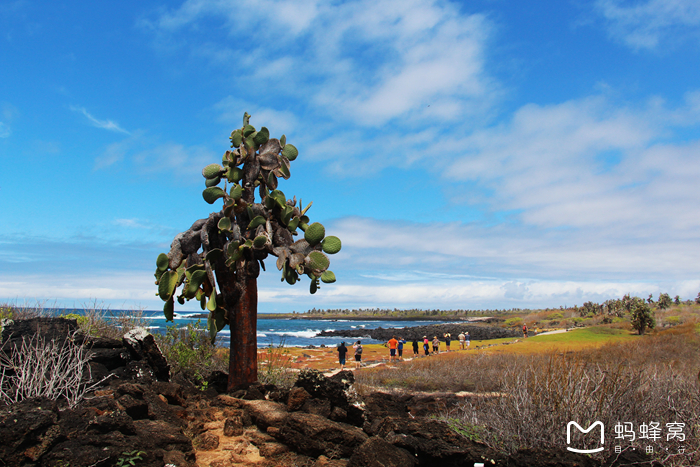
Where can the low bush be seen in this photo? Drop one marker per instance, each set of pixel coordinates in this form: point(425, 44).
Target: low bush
point(189, 351)
point(275, 366)
point(514, 322)
point(36, 368)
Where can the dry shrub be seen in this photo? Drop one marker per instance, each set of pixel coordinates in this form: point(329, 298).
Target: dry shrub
point(652, 379)
point(53, 369)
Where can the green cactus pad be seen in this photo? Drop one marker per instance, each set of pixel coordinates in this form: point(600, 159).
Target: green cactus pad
point(314, 233)
point(169, 310)
point(328, 277)
point(259, 241)
point(278, 196)
point(162, 262)
point(257, 220)
point(314, 286)
point(211, 325)
point(262, 136)
point(196, 280)
point(236, 192)
point(213, 181)
point(246, 118)
point(167, 284)
point(224, 223)
point(331, 245)
point(214, 255)
point(284, 171)
point(293, 224)
point(271, 181)
point(318, 261)
point(291, 276)
point(211, 304)
point(290, 152)
point(234, 174)
point(203, 301)
point(219, 318)
point(236, 138)
point(248, 130)
point(283, 140)
point(212, 171)
point(213, 193)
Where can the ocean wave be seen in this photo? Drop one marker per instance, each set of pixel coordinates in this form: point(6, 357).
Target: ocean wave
point(305, 334)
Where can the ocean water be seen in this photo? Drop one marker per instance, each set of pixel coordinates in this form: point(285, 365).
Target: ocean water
point(287, 332)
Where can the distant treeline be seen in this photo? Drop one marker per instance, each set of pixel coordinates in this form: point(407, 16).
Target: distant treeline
point(410, 313)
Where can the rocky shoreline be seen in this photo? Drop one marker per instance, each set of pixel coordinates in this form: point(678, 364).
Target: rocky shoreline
point(476, 332)
point(141, 412)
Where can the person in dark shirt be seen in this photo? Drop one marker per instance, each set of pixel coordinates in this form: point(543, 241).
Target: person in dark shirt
point(342, 351)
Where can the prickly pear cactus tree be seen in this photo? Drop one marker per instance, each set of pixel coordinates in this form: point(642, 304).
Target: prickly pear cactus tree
point(218, 259)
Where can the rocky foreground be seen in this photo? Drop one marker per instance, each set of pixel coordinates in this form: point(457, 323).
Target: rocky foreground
point(141, 412)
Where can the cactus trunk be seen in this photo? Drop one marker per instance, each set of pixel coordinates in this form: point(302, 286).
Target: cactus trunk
point(243, 360)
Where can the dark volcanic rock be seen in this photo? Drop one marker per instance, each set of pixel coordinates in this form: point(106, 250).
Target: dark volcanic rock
point(143, 347)
point(49, 329)
point(313, 435)
point(375, 452)
point(432, 442)
point(336, 390)
point(550, 458)
point(417, 332)
point(26, 429)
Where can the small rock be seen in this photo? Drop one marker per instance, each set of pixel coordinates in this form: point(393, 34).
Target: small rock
point(206, 442)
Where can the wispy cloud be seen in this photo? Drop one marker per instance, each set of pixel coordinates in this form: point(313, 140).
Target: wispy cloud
point(644, 25)
point(104, 124)
point(150, 154)
point(367, 62)
point(4, 130)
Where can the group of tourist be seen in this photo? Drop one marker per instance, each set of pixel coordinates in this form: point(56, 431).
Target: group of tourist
point(396, 347)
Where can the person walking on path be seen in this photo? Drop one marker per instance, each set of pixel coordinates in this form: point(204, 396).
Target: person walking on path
point(436, 345)
point(393, 343)
point(415, 347)
point(402, 341)
point(461, 338)
point(358, 354)
point(468, 338)
point(342, 350)
point(426, 345)
point(448, 339)
point(524, 330)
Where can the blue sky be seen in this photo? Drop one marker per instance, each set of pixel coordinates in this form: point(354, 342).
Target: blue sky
point(481, 154)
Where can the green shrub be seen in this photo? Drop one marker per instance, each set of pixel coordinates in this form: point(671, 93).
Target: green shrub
point(555, 315)
point(673, 320)
point(189, 351)
point(514, 322)
point(275, 366)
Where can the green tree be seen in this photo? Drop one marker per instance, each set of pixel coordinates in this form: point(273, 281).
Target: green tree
point(642, 317)
point(236, 240)
point(664, 301)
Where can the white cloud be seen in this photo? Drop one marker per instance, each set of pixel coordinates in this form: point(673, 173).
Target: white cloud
point(149, 155)
point(366, 61)
point(104, 124)
point(511, 250)
point(644, 25)
point(586, 164)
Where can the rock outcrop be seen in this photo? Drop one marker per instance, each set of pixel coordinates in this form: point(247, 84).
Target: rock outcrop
point(138, 414)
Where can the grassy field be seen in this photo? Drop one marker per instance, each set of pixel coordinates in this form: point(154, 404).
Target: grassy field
point(523, 392)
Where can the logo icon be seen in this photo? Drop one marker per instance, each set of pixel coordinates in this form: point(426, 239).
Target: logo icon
point(585, 451)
